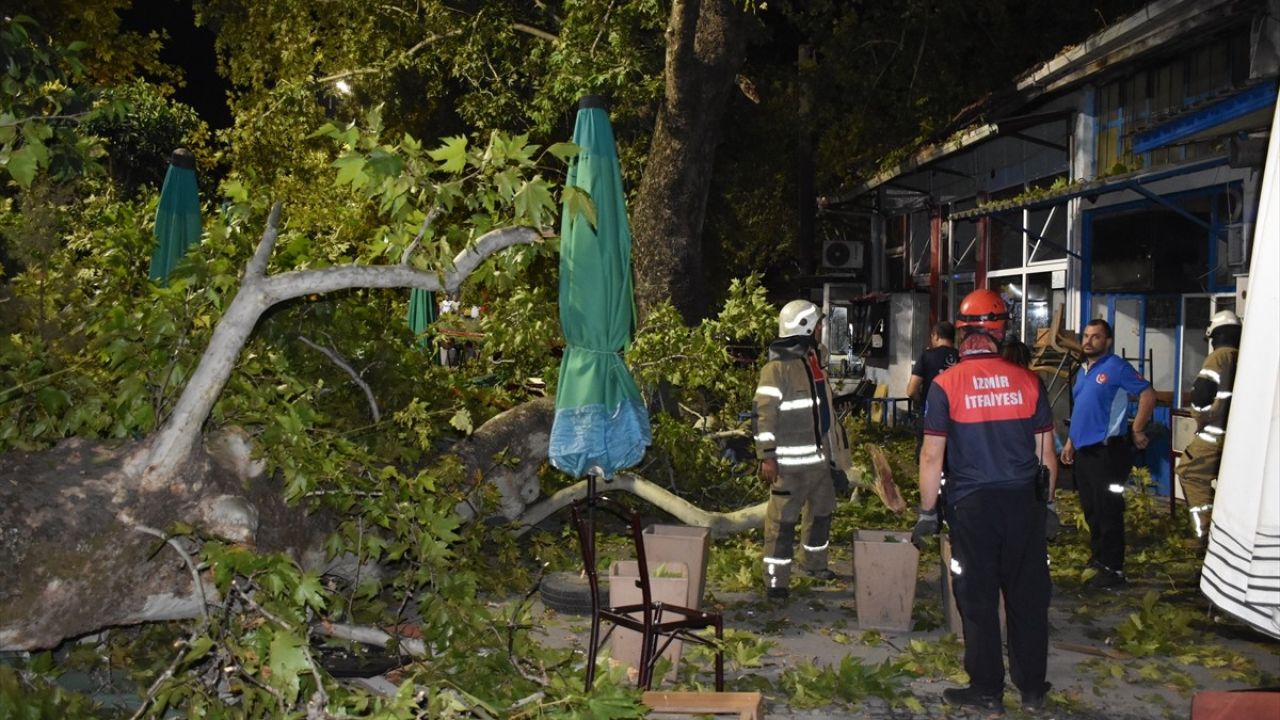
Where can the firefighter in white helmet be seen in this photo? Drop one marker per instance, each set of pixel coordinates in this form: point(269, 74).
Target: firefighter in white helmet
point(802, 449)
point(1210, 402)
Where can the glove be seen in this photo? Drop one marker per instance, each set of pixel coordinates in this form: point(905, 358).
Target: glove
point(1051, 522)
point(840, 480)
point(926, 527)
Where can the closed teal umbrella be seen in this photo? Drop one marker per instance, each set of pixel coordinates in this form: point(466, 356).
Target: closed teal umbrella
point(177, 215)
point(422, 312)
point(600, 423)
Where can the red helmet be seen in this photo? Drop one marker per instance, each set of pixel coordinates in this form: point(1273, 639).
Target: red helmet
point(983, 311)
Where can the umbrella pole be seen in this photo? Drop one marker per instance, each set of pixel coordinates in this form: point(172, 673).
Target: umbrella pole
point(591, 512)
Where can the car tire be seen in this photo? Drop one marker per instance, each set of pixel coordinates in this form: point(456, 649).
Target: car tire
point(569, 593)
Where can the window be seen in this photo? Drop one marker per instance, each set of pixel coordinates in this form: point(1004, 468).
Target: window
point(1145, 98)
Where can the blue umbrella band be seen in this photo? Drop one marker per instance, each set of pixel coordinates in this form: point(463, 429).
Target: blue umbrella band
point(588, 436)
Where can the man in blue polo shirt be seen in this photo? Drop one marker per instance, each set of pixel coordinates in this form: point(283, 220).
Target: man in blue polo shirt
point(1100, 444)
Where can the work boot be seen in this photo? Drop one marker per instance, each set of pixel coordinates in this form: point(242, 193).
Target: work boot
point(1034, 699)
point(824, 574)
point(971, 697)
point(777, 593)
point(1107, 579)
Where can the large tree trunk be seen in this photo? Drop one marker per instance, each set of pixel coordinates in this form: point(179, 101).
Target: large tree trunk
point(84, 545)
point(704, 51)
point(83, 527)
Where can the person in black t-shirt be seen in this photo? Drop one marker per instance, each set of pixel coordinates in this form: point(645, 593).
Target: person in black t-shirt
point(940, 355)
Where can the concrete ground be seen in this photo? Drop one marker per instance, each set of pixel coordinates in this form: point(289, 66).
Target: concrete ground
point(1091, 678)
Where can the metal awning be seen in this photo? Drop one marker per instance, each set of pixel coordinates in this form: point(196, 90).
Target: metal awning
point(1133, 181)
point(1246, 110)
point(930, 157)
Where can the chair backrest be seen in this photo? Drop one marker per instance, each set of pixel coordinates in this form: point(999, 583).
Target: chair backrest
point(584, 520)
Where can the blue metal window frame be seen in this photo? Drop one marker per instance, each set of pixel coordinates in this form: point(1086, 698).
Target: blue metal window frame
point(1256, 98)
point(1211, 237)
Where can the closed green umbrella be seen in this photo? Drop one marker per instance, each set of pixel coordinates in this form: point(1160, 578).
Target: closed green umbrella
point(601, 424)
point(422, 312)
point(177, 215)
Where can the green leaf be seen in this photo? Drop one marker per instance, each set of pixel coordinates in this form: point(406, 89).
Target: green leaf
point(452, 156)
point(309, 592)
point(533, 199)
point(564, 150)
point(461, 420)
point(350, 171)
point(22, 166)
point(285, 662)
point(199, 648)
point(578, 202)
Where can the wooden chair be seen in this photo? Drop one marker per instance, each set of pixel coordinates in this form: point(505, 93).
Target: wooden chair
point(658, 623)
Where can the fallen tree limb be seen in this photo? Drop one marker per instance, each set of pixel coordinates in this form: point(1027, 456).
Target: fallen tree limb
point(721, 524)
point(371, 636)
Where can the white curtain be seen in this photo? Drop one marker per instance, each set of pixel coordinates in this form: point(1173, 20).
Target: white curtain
point(1242, 570)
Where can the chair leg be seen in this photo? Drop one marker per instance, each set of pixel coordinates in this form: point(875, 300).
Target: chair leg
point(719, 654)
point(592, 648)
point(648, 658)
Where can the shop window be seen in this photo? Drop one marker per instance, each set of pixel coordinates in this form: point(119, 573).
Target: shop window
point(1051, 225)
point(921, 243)
point(896, 235)
point(1006, 233)
point(1156, 251)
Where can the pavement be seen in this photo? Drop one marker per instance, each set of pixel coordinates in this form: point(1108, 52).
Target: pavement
point(1092, 679)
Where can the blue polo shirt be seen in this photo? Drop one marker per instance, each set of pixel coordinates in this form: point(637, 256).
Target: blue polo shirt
point(1100, 410)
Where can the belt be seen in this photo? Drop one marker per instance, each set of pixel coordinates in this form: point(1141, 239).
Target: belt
point(1113, 440)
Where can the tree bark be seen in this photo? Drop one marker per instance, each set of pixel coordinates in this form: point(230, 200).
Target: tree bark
point(705, 45)
point(521, 434)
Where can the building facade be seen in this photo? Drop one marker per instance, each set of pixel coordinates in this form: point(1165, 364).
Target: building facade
point(1119, 179)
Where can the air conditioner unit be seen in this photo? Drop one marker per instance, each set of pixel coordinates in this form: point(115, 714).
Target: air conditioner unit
point(842, 255)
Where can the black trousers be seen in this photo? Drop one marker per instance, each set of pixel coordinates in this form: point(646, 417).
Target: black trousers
point(1101, 472)
point(999, 547)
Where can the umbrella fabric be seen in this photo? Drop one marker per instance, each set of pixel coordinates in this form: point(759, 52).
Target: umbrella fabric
point(422, 312)
point(1242, 568)
point(177, 215)
point(600, 419)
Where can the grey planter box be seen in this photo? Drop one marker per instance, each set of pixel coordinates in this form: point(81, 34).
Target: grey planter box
point(681, 544)
point(668, 583)
point(884, 566)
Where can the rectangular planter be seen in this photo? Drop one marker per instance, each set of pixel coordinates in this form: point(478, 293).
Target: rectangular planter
point(884, 566)
point(670, 586)
point(666, 544)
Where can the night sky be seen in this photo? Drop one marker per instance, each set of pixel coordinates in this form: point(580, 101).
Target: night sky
point(190, 48)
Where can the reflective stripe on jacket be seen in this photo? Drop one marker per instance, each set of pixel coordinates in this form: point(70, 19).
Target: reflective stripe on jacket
point(787, 413)
point(1220, 370)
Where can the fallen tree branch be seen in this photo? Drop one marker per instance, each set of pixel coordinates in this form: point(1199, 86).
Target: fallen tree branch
point(186, 558)
point(721, 524)
point(435, 212)
point(336, 358)
point(371, 636)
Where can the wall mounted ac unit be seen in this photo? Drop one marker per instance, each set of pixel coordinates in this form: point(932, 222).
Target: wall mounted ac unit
point(842, 255)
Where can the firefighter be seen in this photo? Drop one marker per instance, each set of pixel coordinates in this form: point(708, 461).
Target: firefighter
point(802, 449)
point(1210, 401)
point(990, 420)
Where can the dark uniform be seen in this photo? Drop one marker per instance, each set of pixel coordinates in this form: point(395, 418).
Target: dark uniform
point(991, 411)
point(1211, 401)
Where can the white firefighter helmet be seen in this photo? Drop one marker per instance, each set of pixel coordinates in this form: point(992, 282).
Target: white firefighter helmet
point(798, 317)
point(1222, 318)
